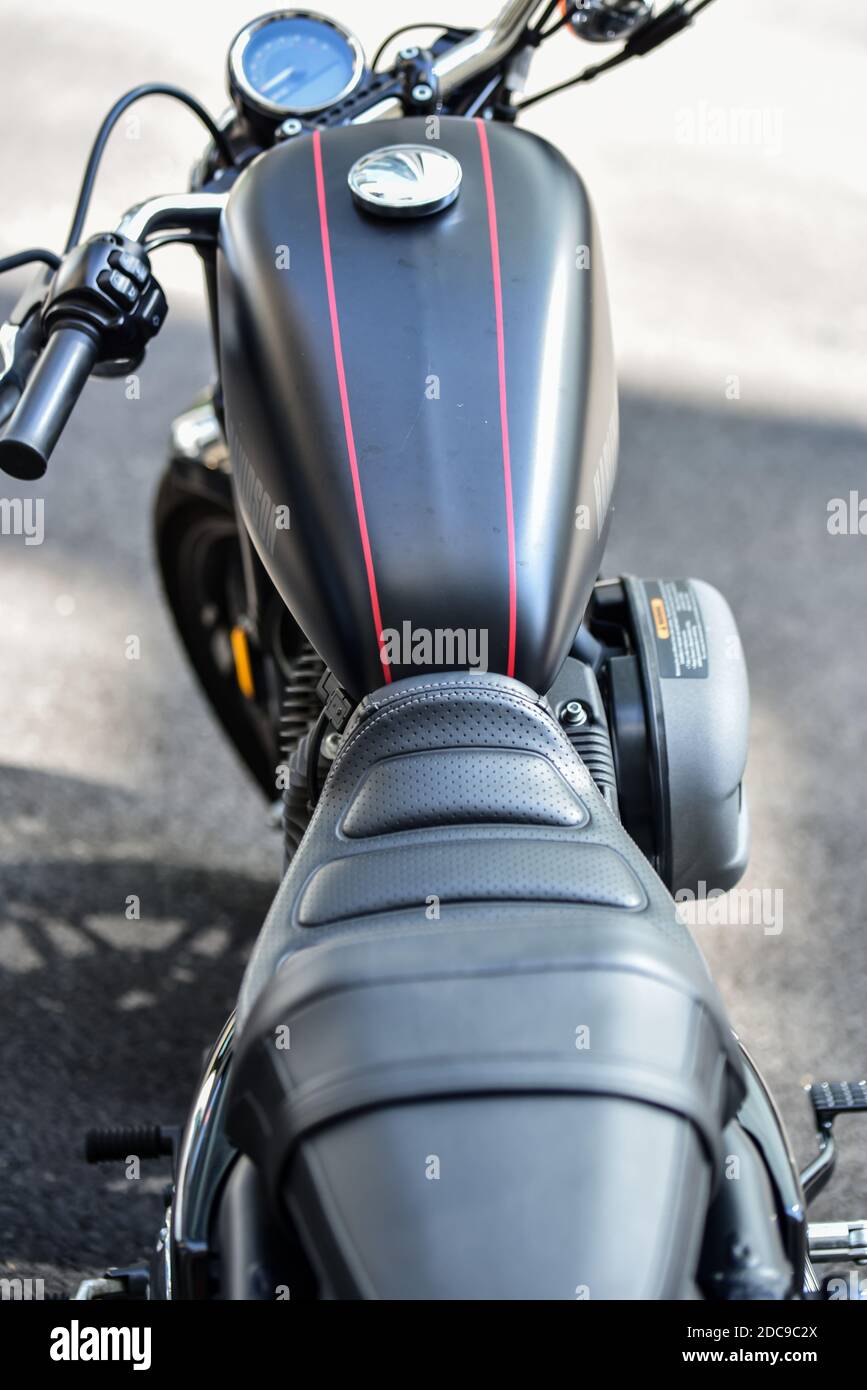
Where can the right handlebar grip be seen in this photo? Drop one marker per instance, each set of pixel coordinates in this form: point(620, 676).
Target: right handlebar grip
point(54, 385)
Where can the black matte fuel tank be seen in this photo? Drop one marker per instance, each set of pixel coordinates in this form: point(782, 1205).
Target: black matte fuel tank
point(422, 413)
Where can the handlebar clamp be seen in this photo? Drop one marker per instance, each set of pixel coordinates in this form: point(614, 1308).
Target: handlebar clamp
point(416, 74)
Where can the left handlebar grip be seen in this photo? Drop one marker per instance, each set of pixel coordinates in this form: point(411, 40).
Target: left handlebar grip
point(54, 385)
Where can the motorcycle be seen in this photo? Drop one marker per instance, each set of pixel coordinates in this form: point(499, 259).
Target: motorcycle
point(476, 1051)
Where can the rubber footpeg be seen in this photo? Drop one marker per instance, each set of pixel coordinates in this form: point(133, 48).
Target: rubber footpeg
point(838, 1097)
point(143, 1141)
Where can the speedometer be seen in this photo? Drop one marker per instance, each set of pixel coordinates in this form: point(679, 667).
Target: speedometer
point(294, 63)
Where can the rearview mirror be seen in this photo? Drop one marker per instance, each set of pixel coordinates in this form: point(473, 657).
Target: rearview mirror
point(601, 21)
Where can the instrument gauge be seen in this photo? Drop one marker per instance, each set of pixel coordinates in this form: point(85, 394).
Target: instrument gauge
point(293, 63)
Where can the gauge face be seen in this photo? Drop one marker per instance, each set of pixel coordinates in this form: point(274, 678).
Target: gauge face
point(293, 62)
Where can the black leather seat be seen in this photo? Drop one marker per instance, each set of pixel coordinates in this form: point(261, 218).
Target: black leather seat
point(470, 965)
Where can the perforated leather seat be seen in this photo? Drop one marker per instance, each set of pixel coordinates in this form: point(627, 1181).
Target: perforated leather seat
point(465, 919)
point(458, 797)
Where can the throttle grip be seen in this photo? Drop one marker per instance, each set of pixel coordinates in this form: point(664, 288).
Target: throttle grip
point(46, 403)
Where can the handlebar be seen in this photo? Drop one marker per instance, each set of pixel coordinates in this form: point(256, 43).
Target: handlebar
point(46, 403)
point(483, 49)
point(71, 353)
point(103, 305)
point(479, 51)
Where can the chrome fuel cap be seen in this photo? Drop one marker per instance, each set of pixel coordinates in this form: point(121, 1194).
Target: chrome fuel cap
point(405, 180)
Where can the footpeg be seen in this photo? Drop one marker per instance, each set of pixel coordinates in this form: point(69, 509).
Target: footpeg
point(115, 1145)
point(833, 1098)
point(830, 1099)
point(115, 1285)
point(92, 1289)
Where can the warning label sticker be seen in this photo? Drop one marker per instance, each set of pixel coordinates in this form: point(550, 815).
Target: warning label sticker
point(681, 641)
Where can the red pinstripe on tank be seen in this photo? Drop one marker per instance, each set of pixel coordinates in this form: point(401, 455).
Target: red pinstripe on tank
point(344, 402)
point(501, 374)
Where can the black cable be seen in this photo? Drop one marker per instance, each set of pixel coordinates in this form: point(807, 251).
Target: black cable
point(586, 76)
point(28, 257)
point(147, 90)
point(651, 34)
point(405, 29)
point(481, 97)
point(556, 27)
point(543, 18)
point(446, 28)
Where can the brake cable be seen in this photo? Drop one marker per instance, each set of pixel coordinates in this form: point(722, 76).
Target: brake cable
point(111, 120)
point(36, 253)
point(539, 31)
point(409, 29)
point(655, 32)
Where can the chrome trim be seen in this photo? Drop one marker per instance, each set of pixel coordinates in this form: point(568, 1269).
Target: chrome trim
point(385, 110)
point(90, 1289)
point(760, 1118)
point(242, 83)
point(484, 48)
point(164, 1249)
point(198, 435)
point(835, 1241)
point(174, 211)
point(204, 1155)
point(811, 1280)
point(8, 335)
point(816, 1174)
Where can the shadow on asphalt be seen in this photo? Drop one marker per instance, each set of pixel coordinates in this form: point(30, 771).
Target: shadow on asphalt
point(106, 1021)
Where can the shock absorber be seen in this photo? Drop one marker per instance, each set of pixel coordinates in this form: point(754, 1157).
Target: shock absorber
point(301, 705)
point(301, 709)
point(590, 739)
